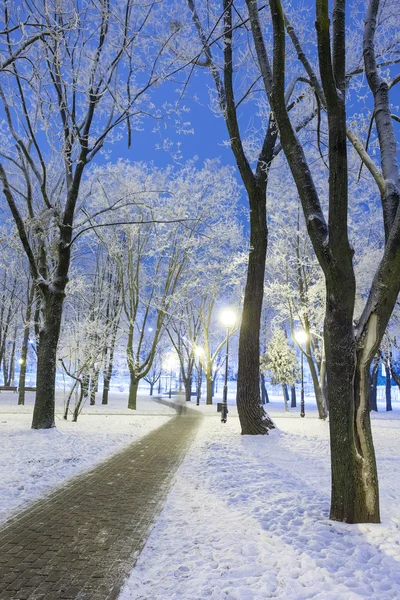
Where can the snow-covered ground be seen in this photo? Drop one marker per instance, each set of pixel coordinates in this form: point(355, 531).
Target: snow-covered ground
point(33, 463)
point(247, 519)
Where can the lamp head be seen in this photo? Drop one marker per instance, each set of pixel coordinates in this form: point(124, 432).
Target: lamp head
point(228, 317)
point(301, 336)
point(199, 351)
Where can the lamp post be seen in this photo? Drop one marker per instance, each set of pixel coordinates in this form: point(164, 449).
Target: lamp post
point(199, 352)
point(228, 319)
point(301, 337)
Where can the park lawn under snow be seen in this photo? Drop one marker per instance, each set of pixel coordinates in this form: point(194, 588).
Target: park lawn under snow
point(34, 463)
point(247, 519)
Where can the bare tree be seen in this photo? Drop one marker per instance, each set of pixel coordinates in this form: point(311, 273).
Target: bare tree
point(65, 102)
point(349, 348)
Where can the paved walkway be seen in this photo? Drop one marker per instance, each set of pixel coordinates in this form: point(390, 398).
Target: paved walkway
point(81, 541)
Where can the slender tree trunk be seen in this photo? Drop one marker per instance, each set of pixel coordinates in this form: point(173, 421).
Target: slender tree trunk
point(285, 397)
point(94, 386)
point(319, 396)
point(44, 410)
point(78, 406)
point(264, 391)
point(12, 360)
point(69, 400)
point(293, 396)
point(209, 383)
point(253, 419)
point(159, 386)
point(106, 388)
point(388, 388)
point(24, 347)
point(151, 388)
point(133, 390)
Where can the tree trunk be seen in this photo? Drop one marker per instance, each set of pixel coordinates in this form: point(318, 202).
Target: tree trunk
point(209, 384)
point(355, 494)
point(69, 400)
point(188, 389)
point(293, 396)
point(264, 391)
point(253, 419)
point(94, 386)
point(106, 388)
point(285, 397)
point(388, 388)
point(24, 347)
point(373, 405)
point(12, 361)
point(44, 410)
point(78, 405)
point(151, 388)
point(319, 396)
point(133, 390)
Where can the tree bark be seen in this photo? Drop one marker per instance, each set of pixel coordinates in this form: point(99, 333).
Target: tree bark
point(209, 395)
point(285, 397)
point(264, 391)
point(24, 347)
point(44, 410)
point(355, 495)
point(253, 419)
point(188, 388)
point(373, 405)
point(293, 396)
point(388, 389)
point(133, 390)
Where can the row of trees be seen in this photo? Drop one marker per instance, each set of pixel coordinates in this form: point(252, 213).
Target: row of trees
point(75, 76)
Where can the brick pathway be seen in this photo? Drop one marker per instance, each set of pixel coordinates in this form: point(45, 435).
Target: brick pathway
point(81, 541)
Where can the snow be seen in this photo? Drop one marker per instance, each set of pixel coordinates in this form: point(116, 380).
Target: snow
point(247, 519)
point(34, 462)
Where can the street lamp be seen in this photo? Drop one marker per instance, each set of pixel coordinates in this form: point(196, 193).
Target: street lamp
point(228, 319)
point(301, 337)
point(199, 352)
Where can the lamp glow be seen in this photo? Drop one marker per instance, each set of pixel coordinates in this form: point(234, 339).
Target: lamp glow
point(228, 317)
point(300, 336)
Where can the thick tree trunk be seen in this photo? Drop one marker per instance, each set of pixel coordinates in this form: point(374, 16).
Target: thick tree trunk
point(106, 388)
point(133, 390)
point(355, 494)
point(209, 385)
point(253, 419)
point(188, 389)
point(293, 396)
point(44, 410)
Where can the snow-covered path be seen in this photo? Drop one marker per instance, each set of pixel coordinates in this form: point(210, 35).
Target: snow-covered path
point(34, 463)
point(248, 520)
